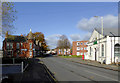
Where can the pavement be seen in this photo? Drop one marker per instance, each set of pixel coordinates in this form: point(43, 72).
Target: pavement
point(66, 70)
point(1, 54)
point(94, 63)
point(35, 72)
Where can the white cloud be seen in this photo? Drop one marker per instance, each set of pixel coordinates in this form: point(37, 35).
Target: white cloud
point(75, 37)
point(87, 36)
point(52, 40)
point(109, 21)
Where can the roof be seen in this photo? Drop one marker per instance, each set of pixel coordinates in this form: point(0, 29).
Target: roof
point(30, 35)
point(108, 31)
point(12, 38)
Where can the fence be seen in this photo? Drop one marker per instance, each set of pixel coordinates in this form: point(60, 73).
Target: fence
point(13, 65)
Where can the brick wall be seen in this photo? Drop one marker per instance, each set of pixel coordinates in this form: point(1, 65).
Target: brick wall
point(81, 45)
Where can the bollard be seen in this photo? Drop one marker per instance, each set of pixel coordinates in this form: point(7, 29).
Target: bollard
point(22, 67)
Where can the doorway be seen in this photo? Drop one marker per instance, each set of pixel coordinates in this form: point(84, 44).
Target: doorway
point(95, 55)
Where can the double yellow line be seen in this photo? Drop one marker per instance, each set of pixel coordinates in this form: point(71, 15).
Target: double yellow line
point(48, 71)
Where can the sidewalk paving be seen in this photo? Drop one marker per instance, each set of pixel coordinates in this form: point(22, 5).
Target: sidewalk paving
point(35, 72)
point(94, 63)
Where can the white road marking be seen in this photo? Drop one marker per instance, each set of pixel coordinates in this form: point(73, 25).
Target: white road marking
point(100, 75)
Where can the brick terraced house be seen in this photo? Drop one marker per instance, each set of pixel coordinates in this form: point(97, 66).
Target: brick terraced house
point(79, 48)
point(19, 46)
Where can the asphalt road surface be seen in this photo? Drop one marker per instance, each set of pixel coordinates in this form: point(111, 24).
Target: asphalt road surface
point(65, 70)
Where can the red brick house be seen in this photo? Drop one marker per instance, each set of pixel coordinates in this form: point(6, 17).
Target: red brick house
point(19, 46)
point(79, 48)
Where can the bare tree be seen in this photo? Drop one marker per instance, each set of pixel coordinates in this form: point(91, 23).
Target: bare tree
point(8, 17)
point(63, 43)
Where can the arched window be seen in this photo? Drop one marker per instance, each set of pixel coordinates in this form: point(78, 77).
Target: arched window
point(90, 51)
point(117, 50)
point(102, 50)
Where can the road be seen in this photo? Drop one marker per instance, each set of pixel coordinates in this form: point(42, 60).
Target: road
point(65, 70)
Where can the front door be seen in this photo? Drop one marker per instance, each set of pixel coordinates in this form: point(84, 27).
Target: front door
point(95, 55)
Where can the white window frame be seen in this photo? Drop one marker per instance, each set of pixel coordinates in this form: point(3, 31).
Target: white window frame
point(81, 48)
point(78, 48)
point(81, 53)
point(78, 43)
point(78, 53)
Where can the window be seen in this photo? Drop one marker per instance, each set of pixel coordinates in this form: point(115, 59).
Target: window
point(102, 50)
point(81, 43)
point(81, 48)
point(21, 44)
point(90, 51)
point(78, 43)
point(85, 48)
point(117, 49)
point(81, 53)
point(84, 43)
point(84, 53)
point(11, 45)
point(17, 46)
point(7, 46)
point(30, 45)
point(30, 53)
point(64, 52)
point(78, 53)
point(21, 52)
point(78, 48)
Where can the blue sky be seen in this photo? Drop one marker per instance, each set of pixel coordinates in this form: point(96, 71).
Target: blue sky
point(57, 18)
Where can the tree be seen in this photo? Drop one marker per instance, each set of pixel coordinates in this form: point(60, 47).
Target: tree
point(8, 17)
point(63, 43)
point(39, 38)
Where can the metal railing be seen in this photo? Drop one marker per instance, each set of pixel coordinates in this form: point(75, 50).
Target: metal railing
point(21, 66)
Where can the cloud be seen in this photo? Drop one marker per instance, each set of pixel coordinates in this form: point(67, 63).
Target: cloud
point(109, 21)
point(87, 36)
point(75, 37)
point(52, 40)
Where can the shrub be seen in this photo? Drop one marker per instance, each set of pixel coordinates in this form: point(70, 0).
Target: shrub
point(59, 55)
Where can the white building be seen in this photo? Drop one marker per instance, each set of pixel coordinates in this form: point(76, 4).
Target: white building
point(104, 48)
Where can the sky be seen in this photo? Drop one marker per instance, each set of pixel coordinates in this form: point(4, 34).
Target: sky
point(74, 19)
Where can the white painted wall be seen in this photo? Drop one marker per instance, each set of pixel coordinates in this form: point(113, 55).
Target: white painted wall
point(108, 43)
